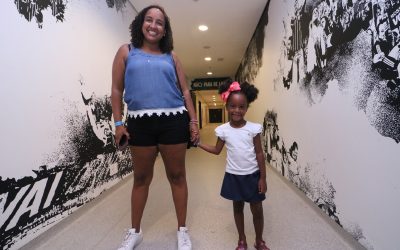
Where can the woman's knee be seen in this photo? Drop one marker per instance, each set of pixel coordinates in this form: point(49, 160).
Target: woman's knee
point(177, 177)
point(142, 179)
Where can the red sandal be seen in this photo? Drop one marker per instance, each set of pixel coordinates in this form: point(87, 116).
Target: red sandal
point(261, 245)
point(242, 245)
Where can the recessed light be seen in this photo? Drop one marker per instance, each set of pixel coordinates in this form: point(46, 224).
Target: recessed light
point(203, 28)
point(209, 73)
point(207, 58)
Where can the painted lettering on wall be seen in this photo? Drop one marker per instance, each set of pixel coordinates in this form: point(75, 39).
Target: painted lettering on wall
point(30, 200)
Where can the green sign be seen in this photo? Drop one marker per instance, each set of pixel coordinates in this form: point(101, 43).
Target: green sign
point(207, 83)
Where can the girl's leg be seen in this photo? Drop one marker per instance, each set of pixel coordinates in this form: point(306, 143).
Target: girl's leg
point(174, 161)
point(258, 219)
point(143, 159)
point(238, 207)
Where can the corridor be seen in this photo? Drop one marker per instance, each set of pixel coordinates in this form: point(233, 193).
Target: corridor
point(291, 222)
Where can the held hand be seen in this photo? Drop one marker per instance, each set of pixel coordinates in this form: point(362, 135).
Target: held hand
point(194, 133)
point(262, 186)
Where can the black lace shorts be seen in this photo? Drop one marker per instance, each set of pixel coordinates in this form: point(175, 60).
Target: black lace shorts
point(153, 130)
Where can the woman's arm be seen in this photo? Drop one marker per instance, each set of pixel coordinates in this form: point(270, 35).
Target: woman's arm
point(194, 129)
point(213, 149)
point(117, 89)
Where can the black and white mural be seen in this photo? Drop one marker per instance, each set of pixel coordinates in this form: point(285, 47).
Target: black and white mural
point(283, 157)
point(347, 39)
point(33, 9)
point(330, 88)
point(59, 153)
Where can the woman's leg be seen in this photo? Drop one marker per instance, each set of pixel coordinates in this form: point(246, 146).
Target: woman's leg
point(258, 219)
point(238, 207)
point(143, 159)
point(174, 161)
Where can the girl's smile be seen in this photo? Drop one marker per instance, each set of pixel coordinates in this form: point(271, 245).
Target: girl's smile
point(237, 107)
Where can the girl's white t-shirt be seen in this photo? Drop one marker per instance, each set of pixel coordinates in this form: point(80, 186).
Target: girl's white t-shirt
point(241, 155)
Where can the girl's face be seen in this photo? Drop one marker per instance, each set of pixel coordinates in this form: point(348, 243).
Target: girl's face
point(237, 107)
point(153, 27)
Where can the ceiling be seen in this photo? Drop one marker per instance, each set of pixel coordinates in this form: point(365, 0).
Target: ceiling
point(231, 24)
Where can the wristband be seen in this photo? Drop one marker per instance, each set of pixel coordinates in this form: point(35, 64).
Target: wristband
point(119, 123)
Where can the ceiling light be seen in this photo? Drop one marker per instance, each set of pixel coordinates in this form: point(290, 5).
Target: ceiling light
point(207, 58)
point(203, 28)
point(209, 73)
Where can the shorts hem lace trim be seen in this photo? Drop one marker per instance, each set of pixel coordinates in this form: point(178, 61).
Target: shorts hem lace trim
point(158, 112)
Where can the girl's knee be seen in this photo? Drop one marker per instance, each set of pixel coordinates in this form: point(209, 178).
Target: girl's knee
point(256, 208)
point(238, 206)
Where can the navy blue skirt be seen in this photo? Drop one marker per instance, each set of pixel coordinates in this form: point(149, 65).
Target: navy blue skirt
point(242, 187)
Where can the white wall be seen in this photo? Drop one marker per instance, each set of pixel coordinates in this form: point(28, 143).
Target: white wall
point(46, 125)
point(347, 133)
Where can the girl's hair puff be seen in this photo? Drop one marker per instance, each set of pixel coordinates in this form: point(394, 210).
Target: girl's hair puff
point(249, 90)
point(166, 43)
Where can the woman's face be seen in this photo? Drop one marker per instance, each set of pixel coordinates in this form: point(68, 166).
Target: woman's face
point(153, 25)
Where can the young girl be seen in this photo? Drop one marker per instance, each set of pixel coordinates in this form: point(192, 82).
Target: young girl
point(245, 177)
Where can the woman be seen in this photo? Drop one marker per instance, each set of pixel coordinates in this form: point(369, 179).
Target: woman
point(161, 115)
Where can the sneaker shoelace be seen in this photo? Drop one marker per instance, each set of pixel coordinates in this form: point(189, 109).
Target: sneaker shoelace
point(128, 238)
point(185, 237)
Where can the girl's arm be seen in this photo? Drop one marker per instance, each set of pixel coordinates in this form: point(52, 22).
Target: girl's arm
point(262, 183)
point(213, 149)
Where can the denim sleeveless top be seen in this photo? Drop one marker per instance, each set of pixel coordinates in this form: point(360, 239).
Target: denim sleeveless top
point(151, 84)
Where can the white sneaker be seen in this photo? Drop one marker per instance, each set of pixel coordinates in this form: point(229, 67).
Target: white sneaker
point(132, 239)
point(184, 242)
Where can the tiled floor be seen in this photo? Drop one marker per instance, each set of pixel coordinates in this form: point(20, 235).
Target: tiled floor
point(291, 221)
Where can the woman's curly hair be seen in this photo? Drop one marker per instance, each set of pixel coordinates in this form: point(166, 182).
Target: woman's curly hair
point(249, 90)
point(166, 43)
